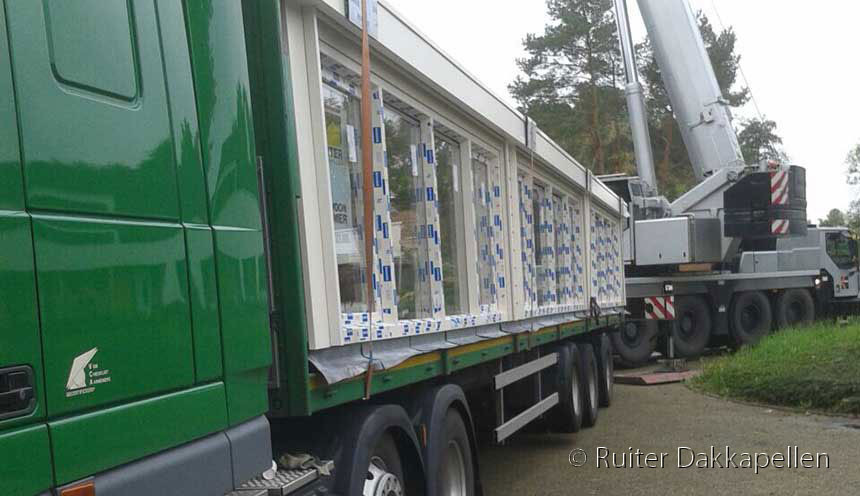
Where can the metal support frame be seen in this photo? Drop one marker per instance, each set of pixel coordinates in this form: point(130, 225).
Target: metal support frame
point(505, 378)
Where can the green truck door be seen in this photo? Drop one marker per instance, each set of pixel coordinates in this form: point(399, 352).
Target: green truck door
point(23, 432)
point(101, 186)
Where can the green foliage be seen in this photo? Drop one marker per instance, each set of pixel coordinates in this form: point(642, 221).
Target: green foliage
point(572, 85)
point(852, 161)
point(759, 141)
point(812, 368)
point(835, 218)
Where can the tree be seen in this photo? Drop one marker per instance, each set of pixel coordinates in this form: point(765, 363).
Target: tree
point(852, 161)
point(570, 84)
point(835, 218)
point(759, 141)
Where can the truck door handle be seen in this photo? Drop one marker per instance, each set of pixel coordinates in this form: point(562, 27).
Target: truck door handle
point(17, 393)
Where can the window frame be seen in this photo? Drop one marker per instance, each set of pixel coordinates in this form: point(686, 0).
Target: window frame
point(390, 326)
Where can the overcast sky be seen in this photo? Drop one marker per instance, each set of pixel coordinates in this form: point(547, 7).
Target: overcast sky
point(799, 58)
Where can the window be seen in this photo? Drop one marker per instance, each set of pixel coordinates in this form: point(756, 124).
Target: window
point(450, 205)
point(343, 146)
point(405, 176)
point(577, 236)
point(527, 243)
point(842, 250)
point(562, 250)
point(483, 185)
point(544, 246)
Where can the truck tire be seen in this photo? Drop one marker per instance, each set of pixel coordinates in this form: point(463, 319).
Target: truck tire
point(455, 474)
point(566, 417)
point(794, 307)
point(751, 317)
point(634, 343)
point(605, 369)
point(692, 327)
point(588, 379)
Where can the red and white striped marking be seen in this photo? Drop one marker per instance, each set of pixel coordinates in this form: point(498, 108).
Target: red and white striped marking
point(779, 187)
point(779, 226)
point(660, 308)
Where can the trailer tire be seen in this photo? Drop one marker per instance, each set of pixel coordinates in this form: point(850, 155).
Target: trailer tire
point(588, 378)
point(605, 369)
point(378, 453)
point(455, 473)
point(566, 417)
point(634, 343)
point(692, 327)
point(434, 411)
point(751, 317)
point(794, 306)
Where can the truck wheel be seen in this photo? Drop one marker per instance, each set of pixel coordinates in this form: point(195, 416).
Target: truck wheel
point(794, 307)
point(588, 379)
point(691, 330)
point(635, 342)
point(751, 317)
point(605, 369)
point(384, 470)
point(567, 415)
point(455, 475)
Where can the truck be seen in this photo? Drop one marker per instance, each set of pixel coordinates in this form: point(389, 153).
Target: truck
point(734, 257)
point(191, 303)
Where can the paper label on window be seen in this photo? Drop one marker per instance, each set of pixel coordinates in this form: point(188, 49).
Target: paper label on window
point(350, 141)
point(413, 154)
point(456, 172)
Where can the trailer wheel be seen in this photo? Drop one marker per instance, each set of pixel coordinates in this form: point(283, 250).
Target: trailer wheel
point(377, 452)
point(692, 327)
point(751, 317)
point(384, 470)
point(455, 475)
point(605, 368)
point(567, 415)
point(588, 378)
point(450, 452)
point(794, 306)
point(635, 342)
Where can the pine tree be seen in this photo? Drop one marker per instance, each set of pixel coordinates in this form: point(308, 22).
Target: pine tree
point(570, 84)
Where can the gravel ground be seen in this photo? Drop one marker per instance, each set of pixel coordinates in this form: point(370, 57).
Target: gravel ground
point(661, 419)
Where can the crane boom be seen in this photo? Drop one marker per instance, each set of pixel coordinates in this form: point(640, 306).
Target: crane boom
point(701, 110)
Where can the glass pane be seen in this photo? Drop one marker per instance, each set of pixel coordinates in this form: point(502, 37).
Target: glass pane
point(405, 181)
point(543, 285)
point(562, 250)
point(343, 140)
point(527, 242)
point(447, 161)
point(484, 224)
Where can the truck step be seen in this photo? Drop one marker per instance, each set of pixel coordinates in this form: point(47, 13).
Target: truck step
point(285, 482)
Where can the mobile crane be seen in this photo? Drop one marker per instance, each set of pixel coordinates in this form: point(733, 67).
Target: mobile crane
point(732, 258)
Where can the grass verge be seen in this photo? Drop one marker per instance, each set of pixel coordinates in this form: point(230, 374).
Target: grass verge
point(817, 367)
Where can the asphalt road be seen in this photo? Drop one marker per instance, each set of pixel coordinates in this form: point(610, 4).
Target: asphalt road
point(660, 419)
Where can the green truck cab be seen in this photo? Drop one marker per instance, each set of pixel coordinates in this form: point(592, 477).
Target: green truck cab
point(133, 314)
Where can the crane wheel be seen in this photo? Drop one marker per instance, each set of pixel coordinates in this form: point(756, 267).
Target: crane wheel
point(794, 307)
point(692, 327)
point(751, 317)
point(634, 343)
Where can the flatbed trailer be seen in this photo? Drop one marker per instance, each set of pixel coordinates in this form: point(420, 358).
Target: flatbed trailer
point(182, 310)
